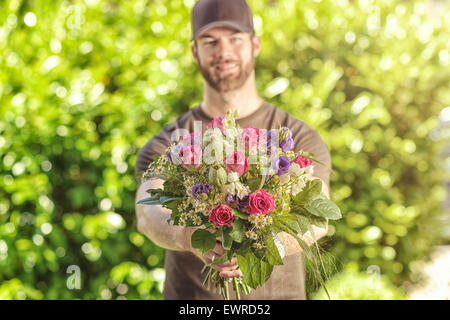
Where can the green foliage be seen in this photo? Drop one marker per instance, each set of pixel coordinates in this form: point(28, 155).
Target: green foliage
point(360, 286)
point(85, 84)
point(203, 240)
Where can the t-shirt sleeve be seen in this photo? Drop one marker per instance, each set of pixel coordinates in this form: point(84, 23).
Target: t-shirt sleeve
point(309, 140)
point(154, 146)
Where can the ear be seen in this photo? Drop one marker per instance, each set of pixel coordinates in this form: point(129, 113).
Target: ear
point(256, 40)
point(194, 52)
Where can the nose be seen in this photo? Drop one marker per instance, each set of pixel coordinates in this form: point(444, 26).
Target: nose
point(224, 49)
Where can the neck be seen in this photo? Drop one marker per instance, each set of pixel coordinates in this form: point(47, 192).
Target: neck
point(244, 99)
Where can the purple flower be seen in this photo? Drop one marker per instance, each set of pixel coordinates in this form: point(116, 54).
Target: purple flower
point(281, 165)
point(200, 188)
point(287, 145)
point(242, 203)
point(235, 200)
point(289, 132)
point(272, 140)
point(229, 198)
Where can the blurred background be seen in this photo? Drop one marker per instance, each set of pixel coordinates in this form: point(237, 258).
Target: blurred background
point(85, 84)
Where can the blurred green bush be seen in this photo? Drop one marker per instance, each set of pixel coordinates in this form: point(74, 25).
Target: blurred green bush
point(359, 286)
point(84, 84)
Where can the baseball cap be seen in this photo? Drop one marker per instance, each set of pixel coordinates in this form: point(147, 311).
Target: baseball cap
point(221, 13)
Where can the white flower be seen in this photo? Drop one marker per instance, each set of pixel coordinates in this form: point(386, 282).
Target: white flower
point(253, 219)
point(229, 188)
point(269, 220)
point(297, 187)
point(192, 214)
point(233, 176)
point(241, 190)
point(251, 235)
point(295, 169)
point(197, 220)
point(260, 223)
point(284, 178)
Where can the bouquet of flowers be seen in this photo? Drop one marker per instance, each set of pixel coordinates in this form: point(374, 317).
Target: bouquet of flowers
point(244, 185)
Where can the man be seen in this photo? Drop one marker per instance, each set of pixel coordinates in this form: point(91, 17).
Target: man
point(225, 48)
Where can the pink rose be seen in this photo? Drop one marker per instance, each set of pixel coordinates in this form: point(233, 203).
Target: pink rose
point(221, 215)
point(302, 162)
point(217, 123)
point(191, 139)
point(236, 162)
point(261, 202)
point(191, 156)
point(253, 138)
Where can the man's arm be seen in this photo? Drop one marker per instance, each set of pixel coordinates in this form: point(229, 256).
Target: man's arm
point(152, 222)
point(291, 245)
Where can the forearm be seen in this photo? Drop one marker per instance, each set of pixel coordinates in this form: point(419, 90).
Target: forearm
point(152, 221)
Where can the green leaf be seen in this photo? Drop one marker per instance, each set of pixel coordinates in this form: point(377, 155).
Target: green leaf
point(253, 183)
point(241, 248)
point(153, 200)
point(155, 191)
point(203, 240)
point(303, 223)
point(318, 221)
point(273, 255)
point(239, 214)
point(324, 208)
point(255, 271)
point(149, 201)
point(222, 259)
point(312, 189)
point(227, 241)
point(237, 233)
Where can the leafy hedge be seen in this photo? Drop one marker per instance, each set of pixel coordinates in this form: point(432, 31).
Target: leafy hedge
point(84, 84)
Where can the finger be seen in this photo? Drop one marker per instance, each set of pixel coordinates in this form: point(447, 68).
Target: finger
point(222, 267)
point(230, 264)
point(231, 274)
point(218, 249)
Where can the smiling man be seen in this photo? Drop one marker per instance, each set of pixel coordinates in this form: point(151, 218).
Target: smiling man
point(225, 49)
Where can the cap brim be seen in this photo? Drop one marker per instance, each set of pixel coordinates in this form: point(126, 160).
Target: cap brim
point(229, 24)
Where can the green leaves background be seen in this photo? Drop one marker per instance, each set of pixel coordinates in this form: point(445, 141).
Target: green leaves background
point(85, 84)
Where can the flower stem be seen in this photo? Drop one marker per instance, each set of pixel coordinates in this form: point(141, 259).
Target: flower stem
point(236, 288)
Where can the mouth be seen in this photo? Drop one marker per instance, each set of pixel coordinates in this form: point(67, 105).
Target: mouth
point(228, 67)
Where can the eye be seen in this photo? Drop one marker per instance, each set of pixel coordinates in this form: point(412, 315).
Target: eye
point(210, 43)
point(236, 39)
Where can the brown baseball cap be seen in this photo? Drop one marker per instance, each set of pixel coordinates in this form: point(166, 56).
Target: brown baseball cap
point(221, 13)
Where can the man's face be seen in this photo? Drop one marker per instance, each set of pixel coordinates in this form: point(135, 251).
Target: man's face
point(226, 57)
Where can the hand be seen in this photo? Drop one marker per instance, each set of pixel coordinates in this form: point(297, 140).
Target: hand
point(227, 269)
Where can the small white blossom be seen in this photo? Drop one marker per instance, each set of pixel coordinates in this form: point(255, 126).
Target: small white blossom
point(251, 235)
point(197, 220)
point(192, 214)
point(257, 246)
point(253, 219)
point(260, 224)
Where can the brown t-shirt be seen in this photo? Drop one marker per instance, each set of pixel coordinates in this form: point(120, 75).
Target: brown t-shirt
point(183, 278)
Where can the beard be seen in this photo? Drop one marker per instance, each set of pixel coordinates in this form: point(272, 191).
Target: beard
point(228, 82)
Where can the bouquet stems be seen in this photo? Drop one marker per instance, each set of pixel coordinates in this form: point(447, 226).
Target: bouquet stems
point(222, 285)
